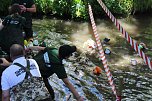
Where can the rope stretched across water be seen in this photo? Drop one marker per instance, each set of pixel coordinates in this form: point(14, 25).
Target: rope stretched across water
point(131, 41)
point(101, 53)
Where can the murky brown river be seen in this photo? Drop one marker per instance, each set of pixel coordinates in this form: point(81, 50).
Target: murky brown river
point(136, 80)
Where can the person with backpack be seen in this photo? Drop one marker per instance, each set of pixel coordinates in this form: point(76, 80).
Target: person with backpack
point(13, 75)
point(28, 7)
point(11, 29)
point(49, 60)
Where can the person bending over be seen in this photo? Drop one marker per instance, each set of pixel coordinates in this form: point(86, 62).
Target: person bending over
point(50, 61)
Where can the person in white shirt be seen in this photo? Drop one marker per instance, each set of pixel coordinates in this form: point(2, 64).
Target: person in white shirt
point(13, 75)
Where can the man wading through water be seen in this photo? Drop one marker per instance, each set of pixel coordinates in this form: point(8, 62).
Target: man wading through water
point(50, 62)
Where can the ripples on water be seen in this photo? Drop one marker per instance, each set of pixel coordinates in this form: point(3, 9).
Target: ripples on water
point(137, 86)
point(76, 66)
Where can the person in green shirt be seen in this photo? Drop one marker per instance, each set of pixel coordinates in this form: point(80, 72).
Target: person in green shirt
point(28, 7)
point(50, 62)
point(11, 29)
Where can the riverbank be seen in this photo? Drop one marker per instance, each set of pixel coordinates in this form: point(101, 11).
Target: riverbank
point(136, 78)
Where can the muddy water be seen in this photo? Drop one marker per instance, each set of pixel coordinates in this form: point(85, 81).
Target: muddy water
point(133, 82)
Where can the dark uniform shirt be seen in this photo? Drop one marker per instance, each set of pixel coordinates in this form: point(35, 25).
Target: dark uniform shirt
point(27, 15)
point(12, 32)
point(56, 65)
point(14, 21)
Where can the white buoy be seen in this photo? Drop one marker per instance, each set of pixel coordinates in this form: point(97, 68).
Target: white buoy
point(107, 51)
point(35, 42)
point(133, 62)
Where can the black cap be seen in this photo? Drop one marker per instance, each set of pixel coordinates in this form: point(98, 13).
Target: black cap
point(66, 50)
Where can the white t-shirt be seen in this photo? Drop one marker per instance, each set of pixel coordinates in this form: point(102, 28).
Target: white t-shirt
point(13, 75)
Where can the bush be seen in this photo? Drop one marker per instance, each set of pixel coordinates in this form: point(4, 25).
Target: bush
point(123, 7)
point(44, 6)
point(78, 9)
point(4, 7)
point(58, 7)
point(142, 5)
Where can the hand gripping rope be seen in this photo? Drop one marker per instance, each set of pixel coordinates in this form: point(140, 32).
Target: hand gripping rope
point(132, 42)
point(101, 53)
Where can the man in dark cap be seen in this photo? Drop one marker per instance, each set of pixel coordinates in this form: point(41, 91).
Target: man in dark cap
point(50, 62)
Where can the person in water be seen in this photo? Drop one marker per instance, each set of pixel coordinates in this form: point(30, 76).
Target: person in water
point(49, 60)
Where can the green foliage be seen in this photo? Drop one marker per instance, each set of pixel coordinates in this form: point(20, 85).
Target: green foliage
point(61, 7)
point(45, 6)
point(4, 4)
point(142, 5)
point(96, 8)
point(78, 9)
point(123, 7)
point(71, 8)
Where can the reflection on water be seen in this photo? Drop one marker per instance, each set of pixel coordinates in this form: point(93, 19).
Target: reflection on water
point(137, 80)
point(137, 87)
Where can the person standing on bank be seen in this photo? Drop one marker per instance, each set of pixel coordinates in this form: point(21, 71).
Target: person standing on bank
point(50, 62)
point(11, 29)
point(28, 7)
point(13, 74)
